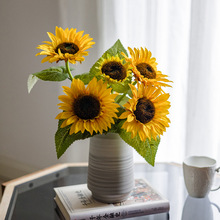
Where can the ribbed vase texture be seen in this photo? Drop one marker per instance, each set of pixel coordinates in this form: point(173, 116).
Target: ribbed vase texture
point(110, 170)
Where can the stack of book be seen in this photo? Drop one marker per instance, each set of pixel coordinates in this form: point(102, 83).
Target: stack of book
point(75, 202)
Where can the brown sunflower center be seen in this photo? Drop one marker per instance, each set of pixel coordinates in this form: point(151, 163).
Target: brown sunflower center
point(86, 107)
point(114, 70)
point(145, 110)
point(146, 70)
point(67, 48)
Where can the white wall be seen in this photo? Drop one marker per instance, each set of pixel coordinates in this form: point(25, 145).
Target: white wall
point(27, 120)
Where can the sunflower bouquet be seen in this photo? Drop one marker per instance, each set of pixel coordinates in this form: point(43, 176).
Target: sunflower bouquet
point(120, 94)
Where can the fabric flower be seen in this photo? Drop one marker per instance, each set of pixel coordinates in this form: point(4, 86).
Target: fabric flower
point(66, 45)
point(90, 108)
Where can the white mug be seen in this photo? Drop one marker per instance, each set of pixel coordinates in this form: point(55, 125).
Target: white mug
point(198, 174)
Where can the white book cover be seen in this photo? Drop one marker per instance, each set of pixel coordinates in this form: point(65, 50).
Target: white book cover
point(76, 203)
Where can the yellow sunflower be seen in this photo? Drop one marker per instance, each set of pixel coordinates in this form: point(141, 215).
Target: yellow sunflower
point(146, 112)
point(66, 45)
point(145, 67)
point(113, 69)
point(90, 108)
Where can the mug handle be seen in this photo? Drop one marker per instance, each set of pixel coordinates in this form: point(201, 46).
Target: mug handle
point(217, 170)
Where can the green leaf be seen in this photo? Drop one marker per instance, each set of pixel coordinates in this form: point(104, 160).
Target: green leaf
point(53, 74)
point(32, 80)
point(85, 77)
point(147, 149)
point(63, 140)
point(120, 87)
point(117, 48)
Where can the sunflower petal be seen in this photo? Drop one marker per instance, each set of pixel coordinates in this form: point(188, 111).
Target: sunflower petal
point(158, 123)
point(101, 121)
point(55, 54)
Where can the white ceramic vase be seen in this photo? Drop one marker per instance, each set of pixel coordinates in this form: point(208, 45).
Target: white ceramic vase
point(110, 170)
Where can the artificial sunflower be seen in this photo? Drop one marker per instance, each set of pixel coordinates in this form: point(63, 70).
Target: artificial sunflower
point(66, 45)
point(90, 108)
point(113, 69)
point(146, 112)
point(145, 67)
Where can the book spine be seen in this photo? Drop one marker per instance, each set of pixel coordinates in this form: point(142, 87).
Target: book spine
point(122, 212)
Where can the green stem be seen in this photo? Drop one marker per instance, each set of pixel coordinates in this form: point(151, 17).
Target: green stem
point(68, 70)
point(119, 100)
